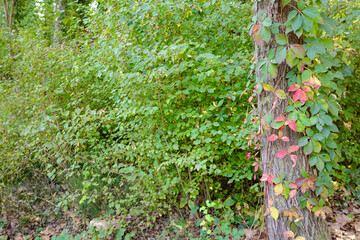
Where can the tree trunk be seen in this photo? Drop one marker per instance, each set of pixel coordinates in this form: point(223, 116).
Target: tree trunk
point(9, 14)
point(312, 228)
point(58, 8)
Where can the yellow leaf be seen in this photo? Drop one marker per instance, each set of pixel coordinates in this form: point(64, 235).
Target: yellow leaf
point(278, 189)
point(268, 87)
point(299, 238)
point(274, 213)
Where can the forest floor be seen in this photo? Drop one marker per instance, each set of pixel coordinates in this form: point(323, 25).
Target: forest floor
point(27, 217)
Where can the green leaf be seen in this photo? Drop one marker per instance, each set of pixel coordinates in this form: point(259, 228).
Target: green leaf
point(268, 87)
point(229, 202)
point(318, 137)
point(296, 24)
point(307, 24)
point(303, 141)
point(281, 39)
point(285, 2)
point(301, 4)
point(331, 143)
point(304, 173)
point(320, 165)
point(306, 75)
point(299, 50)
point(276, 125)
point(316, 146)
point(313, 161)
point(308, 148)
point(280, 94)
point(280, 54)
point(311, 52)
point(311, 12)
point(265, 34)
point(267, 22)
point(299, 126)
point(272, 70)
point(290, 56)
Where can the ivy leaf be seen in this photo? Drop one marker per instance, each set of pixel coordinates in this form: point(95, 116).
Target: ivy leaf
point(286, 2)
point(268, 87)
point(265, 34)
point(316, 146)
point(297, 95)
point(285, 139)
point(292, 193)
point(308, 148)
point(303, 141)
point(293, 148)
point(313, 161)
point(296, 24)
point(290, 56)
point(289, 234)
point(272, 69)
point(280, 118)
point(311, 12)
point(320, 165)
point(280, 94)
point(306, 75)
point(299, 50)
point(274, 213)
point(267, 22)
point(294, 159)
point(307, 24)
point(318, 137)
point(300, 126)
point(281, 154)
point(331, 143)
point(276, 125)
point(292, 124)
point(281, 39)
point(272, 137)
point(313, 82)
point(280, 54)
point(294, 87)
point(278, 189)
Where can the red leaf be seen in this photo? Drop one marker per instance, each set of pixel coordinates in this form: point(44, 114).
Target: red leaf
point(256, 168)
point(304, 97)
point(281, 128)
point(270, 178)
point(294, 87)
point(281, 154)
point(313, 82)
point(280, 118)
point(297, 95)
point(264, 177)
point(292, 193)
point(285, 139)
point(292, 124)
point(299, 181)
point(293, 148)
point(254, 164)
point(255, 29)
point(294, 159)
point(272, 137)
point(292, 185)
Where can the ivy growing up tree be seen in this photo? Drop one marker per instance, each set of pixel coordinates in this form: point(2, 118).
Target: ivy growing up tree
point(296, 107)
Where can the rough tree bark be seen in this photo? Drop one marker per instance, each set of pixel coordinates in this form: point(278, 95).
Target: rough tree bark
point(8, 6)
point(312, 228)
point(58, 8)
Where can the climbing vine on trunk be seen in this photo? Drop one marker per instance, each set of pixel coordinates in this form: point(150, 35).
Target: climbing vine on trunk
point(297, 104)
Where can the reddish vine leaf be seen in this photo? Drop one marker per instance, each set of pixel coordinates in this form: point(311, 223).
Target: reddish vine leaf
point(257, 35)
point(294, 159)
point(306, 88)
point(299, 182)
point(297, 95)
point(280, 118)
point(292, 193)
point(293, 148)
point(292, 185)
point(267, 178)
point(281, 154)
point(303, 97)
point(272, 137)
point(294, 87)
point(292, 124)
point(285, 139)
